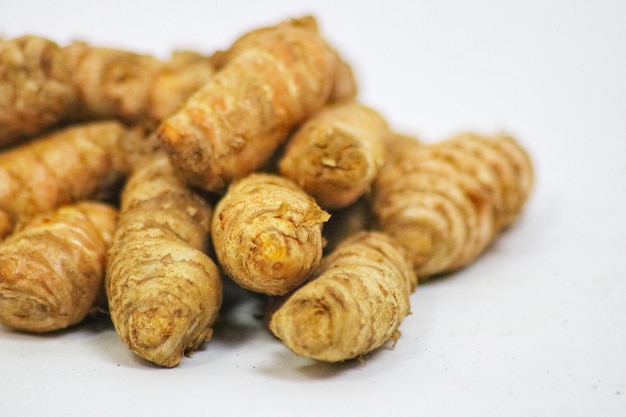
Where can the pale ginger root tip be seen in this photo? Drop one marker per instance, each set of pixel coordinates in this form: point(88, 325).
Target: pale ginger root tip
point(336, 153)
point(271, 80)
point(353, 304)
point(164, 291)
point(445, 202)
point(52, 270)
point(267, 233)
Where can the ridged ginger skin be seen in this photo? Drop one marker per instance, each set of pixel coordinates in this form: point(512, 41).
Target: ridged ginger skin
point(75, 163)
point(133, 87)
point(273, 78)
point(267, 233)
point(352, 305)
point(164, 291)
point(36, 91)
point(445, 202)
point(44, 84)
point(336, 153)
point(52, 269)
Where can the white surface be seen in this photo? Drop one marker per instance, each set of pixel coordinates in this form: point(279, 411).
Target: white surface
point(536, 327)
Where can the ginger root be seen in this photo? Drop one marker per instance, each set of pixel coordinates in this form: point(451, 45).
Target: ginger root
point(352, 305)
point(164, 291)
point(76, 163)
point(446, 201)
point(347, 221)
point(133, 87)
point(52, 270)
point(272, 79)
point(36, 91)
point(336, 153)
point(43, 85)
point(267, 233)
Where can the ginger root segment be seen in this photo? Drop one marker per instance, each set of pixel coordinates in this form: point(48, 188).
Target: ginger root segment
point(134, 87)
point(445, 202)
point(336, 153)
point(52, 269)
point(352, 305)
point(43, 85)
point(272, 79)
point(36, 91)
point(164, 291)
point(267, 233)
point(76, 163)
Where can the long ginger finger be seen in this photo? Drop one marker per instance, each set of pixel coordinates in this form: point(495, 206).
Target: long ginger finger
point(76, 163)
point(36, 92)
point(446, 201)
point(134, 87)
point(511, 165)
point(43, 85)
point(272, 79)
point(267, 233)
point(52, 270)
point(164, 291)
point(335, 155)
point(355, 302)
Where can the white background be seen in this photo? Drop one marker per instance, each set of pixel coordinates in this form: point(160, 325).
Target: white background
point(536, 327)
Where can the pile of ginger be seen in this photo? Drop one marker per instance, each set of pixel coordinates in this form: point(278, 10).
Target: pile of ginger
point(133, 187)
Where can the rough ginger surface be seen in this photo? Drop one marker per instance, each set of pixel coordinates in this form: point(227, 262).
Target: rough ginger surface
point(267, 233)
point(164, 291)
point(353, 304)
point(52, 269)
point(272, 79)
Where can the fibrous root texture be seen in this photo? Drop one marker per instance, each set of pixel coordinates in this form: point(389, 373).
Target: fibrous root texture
point(267, 233)
point(52, 270)
point(35, 87)
point(446, 201)
point(79, 162)
point(272, 79)
point(164, 291)
point(353, 304)
point(335, 155)
point(134, 87)
point(65, 166)
point(43, 84)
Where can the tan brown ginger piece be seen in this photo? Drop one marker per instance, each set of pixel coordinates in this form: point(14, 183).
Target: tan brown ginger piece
point(79, 162)
point(36, 91)
point(133, 87)
point(353, 304)
point(164, 291)
point(267, 233)
point(52, 270)
point(336, 153)
point(273, 78)
point(445, 202)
